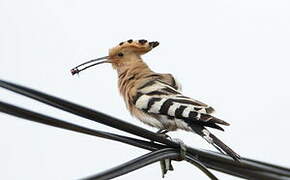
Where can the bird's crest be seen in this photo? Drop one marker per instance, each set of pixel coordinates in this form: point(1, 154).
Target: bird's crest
point(141, 46)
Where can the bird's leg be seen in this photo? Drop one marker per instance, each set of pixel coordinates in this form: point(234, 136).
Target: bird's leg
point(165, 164)
point(162, 132)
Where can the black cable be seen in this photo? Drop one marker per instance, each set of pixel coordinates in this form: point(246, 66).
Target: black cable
point(86, 112)
point(44, 119)
point(194, 161)
point(167, 153)
point(135, 164)
point(247, 168)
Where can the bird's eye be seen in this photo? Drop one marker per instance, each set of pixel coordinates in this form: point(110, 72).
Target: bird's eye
point(120, 54)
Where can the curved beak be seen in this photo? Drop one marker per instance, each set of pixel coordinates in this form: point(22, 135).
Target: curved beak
point(88, 64)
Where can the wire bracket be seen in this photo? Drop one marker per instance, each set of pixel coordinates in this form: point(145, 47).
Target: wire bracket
point(183, 148)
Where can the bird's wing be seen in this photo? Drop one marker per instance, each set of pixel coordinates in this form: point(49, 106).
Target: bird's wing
point(171, 81)
point(158, 97)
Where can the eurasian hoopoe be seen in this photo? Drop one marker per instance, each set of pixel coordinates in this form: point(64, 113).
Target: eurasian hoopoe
point(156, 99)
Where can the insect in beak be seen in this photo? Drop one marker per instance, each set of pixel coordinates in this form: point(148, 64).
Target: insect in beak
point(76, 69)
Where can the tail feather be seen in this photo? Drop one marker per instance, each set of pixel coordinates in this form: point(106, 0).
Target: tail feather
point(218, 121)
point(211, 125)
point(217, 143)
point(212, 119)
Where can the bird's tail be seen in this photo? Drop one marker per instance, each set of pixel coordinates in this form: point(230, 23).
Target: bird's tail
point(218, 144)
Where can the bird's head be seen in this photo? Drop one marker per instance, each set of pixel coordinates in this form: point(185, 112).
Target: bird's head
point(121, 55)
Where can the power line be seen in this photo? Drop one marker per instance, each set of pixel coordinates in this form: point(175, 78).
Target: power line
point(246, 168)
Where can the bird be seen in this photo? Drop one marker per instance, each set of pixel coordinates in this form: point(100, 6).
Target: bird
point(156, 99)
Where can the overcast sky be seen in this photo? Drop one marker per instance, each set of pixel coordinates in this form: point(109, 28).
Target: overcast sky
point(233, 55)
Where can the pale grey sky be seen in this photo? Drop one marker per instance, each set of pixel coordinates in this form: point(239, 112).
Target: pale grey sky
point(233, 55)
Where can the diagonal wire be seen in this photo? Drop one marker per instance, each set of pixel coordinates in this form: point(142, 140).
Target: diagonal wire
point(167, 153)
point(246, 168)
point(135, 164)
point(44, 119)
point(86, 112)
point(194, 161)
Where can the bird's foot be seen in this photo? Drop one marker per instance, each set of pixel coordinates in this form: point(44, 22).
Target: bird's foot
point(162, 133)
point(165, 164)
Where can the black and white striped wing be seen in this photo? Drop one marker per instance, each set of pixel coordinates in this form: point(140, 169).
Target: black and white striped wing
point(157, 97)
point(171, 81)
